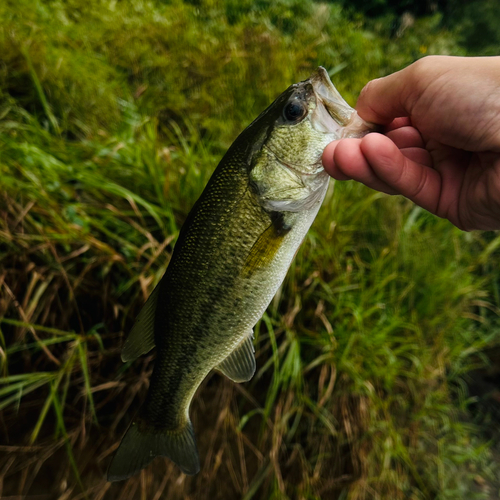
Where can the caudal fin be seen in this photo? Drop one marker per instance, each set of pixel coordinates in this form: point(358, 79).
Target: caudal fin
point(143, 443)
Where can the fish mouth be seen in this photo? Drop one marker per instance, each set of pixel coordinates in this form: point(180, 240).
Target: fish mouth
point(332, 114)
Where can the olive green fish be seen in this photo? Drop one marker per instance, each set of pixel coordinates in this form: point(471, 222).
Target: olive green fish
point(232, 255)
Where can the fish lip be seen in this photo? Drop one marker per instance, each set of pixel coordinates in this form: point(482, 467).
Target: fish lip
point(346, 121)
point(334, 103)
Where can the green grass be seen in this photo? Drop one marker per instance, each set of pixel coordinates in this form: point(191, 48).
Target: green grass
point(112, 119)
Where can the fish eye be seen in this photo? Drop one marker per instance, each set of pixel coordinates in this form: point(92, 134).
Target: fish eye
point(294, 111)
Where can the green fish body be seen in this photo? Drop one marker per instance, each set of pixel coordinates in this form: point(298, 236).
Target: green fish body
point(232, 254)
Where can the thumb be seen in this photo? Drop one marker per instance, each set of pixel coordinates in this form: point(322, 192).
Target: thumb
point(390, 97)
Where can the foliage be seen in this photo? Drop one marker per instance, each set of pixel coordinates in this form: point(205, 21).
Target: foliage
point(376, 8)
point(477, 25)
point(112, 118)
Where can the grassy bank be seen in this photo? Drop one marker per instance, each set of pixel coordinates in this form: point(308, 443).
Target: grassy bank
point(112, 119)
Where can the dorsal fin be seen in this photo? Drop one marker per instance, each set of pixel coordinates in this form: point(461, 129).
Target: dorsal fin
point(239, 366)
point(141, 338)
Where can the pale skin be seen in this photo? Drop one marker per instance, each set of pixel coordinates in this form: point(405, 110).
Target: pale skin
point(440, 145)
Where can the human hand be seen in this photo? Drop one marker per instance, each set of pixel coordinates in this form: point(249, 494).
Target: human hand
point(441, 147)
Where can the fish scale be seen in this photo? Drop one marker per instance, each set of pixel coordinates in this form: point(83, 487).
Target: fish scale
point(231, 256)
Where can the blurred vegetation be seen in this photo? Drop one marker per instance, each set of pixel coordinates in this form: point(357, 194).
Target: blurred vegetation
point(475, 24)
point(112, 117)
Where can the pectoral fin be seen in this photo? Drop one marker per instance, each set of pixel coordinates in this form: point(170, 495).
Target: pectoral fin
point(141, 338)
point(239, 366)
point(267, 245)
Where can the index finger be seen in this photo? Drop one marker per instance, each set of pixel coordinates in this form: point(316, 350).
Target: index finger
point(401, 122)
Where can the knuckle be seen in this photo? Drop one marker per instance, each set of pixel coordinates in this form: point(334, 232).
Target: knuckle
point(419, 75)
point(424, 64)
point(364, 95)
point(396, 170)
point(463, 221)
point(421, 184)
point(425, 70)
point(418, 68)
point(364, 91)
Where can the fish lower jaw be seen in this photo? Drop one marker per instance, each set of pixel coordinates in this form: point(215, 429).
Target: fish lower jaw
point(357, 127)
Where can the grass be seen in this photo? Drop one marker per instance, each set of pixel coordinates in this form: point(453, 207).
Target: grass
point(113, 117)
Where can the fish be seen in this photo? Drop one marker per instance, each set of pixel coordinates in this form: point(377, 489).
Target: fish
point(231, 256)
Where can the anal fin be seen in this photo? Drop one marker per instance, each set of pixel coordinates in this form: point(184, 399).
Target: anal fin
point(239, 366)
point(141, 338)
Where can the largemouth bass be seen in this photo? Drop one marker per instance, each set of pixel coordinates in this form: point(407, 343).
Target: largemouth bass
point(232, 254)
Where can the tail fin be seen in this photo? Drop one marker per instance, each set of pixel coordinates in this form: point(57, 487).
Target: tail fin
point(143, 443)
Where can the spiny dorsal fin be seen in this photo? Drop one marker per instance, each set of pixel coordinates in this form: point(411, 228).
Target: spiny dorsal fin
point(141, 338)
point(239, 366)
